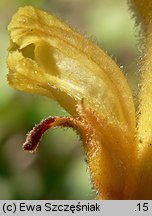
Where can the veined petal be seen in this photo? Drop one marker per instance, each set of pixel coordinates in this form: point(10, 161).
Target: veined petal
point(66, 66)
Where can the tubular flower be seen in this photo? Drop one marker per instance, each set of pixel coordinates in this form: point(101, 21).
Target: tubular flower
point(47, 57)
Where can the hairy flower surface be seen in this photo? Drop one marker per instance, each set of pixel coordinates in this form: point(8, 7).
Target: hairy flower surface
point(47, 57)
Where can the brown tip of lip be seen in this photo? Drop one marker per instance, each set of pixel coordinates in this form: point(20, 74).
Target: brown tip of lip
point(35, 135)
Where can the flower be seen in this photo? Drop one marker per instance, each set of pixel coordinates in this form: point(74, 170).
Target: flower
point(47, 57)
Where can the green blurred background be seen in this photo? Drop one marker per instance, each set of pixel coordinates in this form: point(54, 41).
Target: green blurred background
point(58, 169)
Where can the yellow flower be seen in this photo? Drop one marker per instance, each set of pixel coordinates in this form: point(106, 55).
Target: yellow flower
point(48, 57)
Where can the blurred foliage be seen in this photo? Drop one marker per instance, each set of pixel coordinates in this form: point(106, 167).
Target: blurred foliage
point(58, 169)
